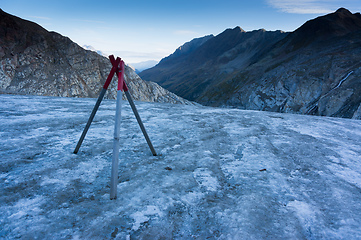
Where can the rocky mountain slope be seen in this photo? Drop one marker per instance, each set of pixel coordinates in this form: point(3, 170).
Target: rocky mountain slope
point(314, 70)
point(190, 73)
point(166, 72)
point(35, 61)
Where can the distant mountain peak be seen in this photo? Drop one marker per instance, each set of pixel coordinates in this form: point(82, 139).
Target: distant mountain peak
point(336, 24)
point(239, 29)
point(343, 11)
point(140, 66)
point(340, 22)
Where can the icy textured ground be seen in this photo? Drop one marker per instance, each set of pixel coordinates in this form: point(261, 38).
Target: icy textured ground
point(206, 184)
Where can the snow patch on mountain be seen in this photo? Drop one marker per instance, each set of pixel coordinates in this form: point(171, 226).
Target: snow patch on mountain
point(91, 48)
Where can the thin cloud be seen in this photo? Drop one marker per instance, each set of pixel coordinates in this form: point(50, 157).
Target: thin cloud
point(304, 6)
point(39, 17)
point(89, 21)
point(184, 32)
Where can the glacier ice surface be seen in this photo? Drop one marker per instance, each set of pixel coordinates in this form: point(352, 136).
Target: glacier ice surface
point(206, 182)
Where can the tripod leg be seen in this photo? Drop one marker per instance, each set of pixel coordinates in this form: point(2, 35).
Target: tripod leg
point(130, 100)
point(116, 146)
point(115, 64)
point(95, 109)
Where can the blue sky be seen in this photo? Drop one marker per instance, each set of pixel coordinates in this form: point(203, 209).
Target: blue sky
point(140, 30)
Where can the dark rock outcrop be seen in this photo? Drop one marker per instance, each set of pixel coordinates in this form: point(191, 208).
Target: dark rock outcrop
point(35, 61)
